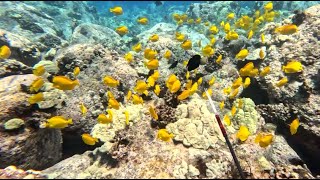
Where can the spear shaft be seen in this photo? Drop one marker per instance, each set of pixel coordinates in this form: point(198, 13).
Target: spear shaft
point(235, 159)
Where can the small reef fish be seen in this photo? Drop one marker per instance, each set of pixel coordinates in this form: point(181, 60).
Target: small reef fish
point(194, 62)
point(175, 86)
point(129, 95)
point(237, 83)
point(214, 29)
point(110, 95)
point(227, 90)
point(154, 38)
point(113, 103)
point(265, 71)
point(218, 61)
point(188, 84)
point(141, 87)
point(230, 16)
point(294, 126)
point(242, 54)
point(76, 71)
point(234, 93)
point(292, 67)
point(240, 103)
point(117, 10)
point(151, 81)
point(167, 54)
point(171, 79)
point(88, 139)
point(246, 82)
point(261, 54)
point(227, 27)
point(103, 119)
point(193, 88)
point(58, 122)
point(198, 21)
point(262, 38)
point(268, 6)
point(199, 80)
point(137, 47)
point(83, 109)
point(137, 99)
point(5, 52)
point(243, 133)
point(227, 120)
point(187, 75)
point(286, 29)
point(122, 30)
point(39, 71)
point(245, 71)
point(212, 41)
point(36, 85)
point(109, 81)
point(221, 105)
point(150, 54)
point(282, 82)
point(233, 110)
point(222, 23)
point(211, 81)
point(36, 98)
point(176, 16)
point(128, 57)
point(64, 83)
point(231, 35)
point(155, 75)
point(204, 94)
point(157, 90)
point(153, 113)
point(207, 50)
point(264, 140)
point(164, 135)
point(143, 20)
point(180, 37)
point(190, 21)
point(187, 44)
point(250, 34)
point(184, 95)
point(126, 113)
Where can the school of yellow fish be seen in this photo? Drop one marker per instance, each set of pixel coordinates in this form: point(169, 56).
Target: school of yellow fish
point(173, 82)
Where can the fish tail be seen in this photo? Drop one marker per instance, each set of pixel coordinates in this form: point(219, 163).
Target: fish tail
point(70, 121)
point(111, 9)
point(76, 82)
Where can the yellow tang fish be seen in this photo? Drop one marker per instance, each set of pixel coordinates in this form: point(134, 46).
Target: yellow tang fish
point(227, 90)
point(137, 47)
point(176, 17)
point(230, 16)
point(282, 82)
point(113, 103)
point(199, 81)
point(194, 88)
point(39, 71)
point(187, 44)
point(36, 85)
point(242, 54)
point(188, 75)
point(137, 99)
point(5, 52)
point(250, 34)
point(246, 82)
point(175, 86)
point(150, 54)
point(212, 41)
point(64, 83)
point(294, 126)
point(171, 79)
point(141, 87)
point(36, 98)
point(214, 29)
point(157, 90)
point(83, 109)
point(292, 67)
point(221, 105)
point(110, 95)
point(143, 20)
point(190, 21)
point(153, 113)
point(231, 35)
point(152, 64)
point(265, 71)
point(227, 120)
point(185, 94)
point(109, 81)
point(219, 59)
point(243, 133)
point(76, 71)
point(58, 122)
point(264, 140)
point(164, 135)
point(234, 93)
point(268, 6)
point(237, 83)
point(129, 95)
point(233, 110)
point(198, 21)
point(188, 84)
point(180, 37)
point(227, 27)
point(103, 119)
point(88, 139)
point(207, 50)
point(167, 54)
point(155, 75)
point(117, 10)
point(286, 29)
point(211, 81)
point(126, 113)
point(262, 38)
point(154, 38)
point(151, 81)
point(122, 30)
point(240, 103)
point(204, 94)
point(261, 54)
point(128, 57)
point(222, 23)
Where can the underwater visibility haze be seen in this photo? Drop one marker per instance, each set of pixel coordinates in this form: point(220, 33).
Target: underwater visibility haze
point(159, 89)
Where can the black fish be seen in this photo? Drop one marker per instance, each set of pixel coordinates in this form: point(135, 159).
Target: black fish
point(173, 65)
point(158, 3)
point(194, 62)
